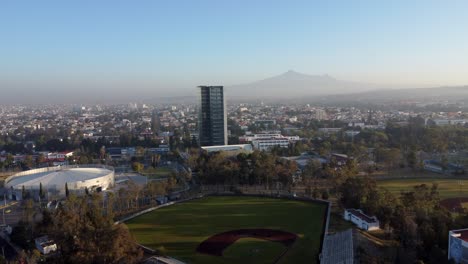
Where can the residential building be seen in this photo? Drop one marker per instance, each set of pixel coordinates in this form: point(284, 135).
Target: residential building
point(212, 121)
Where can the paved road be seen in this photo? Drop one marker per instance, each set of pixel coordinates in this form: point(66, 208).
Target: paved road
point(11, 214)
point(6, 250)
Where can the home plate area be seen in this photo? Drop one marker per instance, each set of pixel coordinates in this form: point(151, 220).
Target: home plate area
point(226, 242)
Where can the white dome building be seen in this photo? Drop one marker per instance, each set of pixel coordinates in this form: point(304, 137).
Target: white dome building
point(54, 179)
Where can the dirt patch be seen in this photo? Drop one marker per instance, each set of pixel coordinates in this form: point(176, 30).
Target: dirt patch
point(215, 245)
point(454, 204)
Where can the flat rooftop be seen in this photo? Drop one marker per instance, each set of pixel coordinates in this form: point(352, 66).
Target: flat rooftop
point(361, 215)
point(461, 234)
point(58, 177)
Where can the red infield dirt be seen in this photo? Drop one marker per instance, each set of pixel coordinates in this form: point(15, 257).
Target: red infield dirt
point(454, 204)
point(215, 245)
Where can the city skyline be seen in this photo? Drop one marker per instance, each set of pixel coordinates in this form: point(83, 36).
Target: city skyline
point(107, 46)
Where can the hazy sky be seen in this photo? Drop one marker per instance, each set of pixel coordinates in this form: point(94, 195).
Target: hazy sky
point(163, 46)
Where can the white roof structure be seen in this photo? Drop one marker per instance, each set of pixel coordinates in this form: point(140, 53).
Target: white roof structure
point(227, 148)
point(57, 176)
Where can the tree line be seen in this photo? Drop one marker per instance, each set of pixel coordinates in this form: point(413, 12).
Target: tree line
point(415, 218)
point(257, 168)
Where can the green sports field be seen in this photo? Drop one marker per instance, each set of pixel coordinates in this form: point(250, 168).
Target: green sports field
point(448, 187)
point(180, 228)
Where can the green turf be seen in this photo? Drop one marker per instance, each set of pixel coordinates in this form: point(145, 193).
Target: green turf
point(251, 250)
point(448, 187)
point(338, 224)
point(159, 172)
point(181, 227)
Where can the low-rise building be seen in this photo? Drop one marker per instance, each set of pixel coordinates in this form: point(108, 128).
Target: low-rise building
point(438, 167)
point(275, 134)
point(458, 246)
point(45, 245)
point(361, 220)
point(268, 143)
point(432, 165)
point(233, 149)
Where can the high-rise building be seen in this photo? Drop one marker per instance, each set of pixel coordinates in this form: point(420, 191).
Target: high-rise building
point(212, 121)
point(155, 122)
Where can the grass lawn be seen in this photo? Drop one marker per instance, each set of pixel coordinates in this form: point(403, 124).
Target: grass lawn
point(252, 250)
point(180, 228)
point(159, 172)
point(448, 187)
point(338, 224)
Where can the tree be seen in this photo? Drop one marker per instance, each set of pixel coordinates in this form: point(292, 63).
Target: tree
point(308, 190)
point(86, 234)
point(21, 234)
point(137, 166)
point(422, 199)
point(40, 159)
point(384, 207)
point(155, 159)
point(389, 156)
point(411, 159)
point(315, 193)
point(67, 192)
point(312, 169)
point(325, 195)
point(355, 192)
point(133, 193)
point(41, 191)
point(28, 161)
point(9, 160)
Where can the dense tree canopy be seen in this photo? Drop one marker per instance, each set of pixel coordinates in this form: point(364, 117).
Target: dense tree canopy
point(85, 233)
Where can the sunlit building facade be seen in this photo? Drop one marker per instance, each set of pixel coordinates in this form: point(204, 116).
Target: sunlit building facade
point(212, 119)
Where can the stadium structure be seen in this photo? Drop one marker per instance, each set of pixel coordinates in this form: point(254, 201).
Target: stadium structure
point(53, 180)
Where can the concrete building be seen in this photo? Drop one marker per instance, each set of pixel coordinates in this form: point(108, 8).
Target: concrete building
point(361, 220)
point(45, 245)
point(231, 149)
point(212, 119)
point(434, 166)
point(458, 246)
point(251, 137)
point(264, 144)
point(53, 180)
point(320, 114)
point(447, 122)
point(329, 130)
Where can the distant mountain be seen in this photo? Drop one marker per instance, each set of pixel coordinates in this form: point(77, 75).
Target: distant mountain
point(450, 93)
point(293, 84)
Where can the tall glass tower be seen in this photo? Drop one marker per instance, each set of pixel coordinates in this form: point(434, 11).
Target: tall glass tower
point(212, 124)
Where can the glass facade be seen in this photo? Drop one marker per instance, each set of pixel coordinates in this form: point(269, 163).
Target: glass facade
point(212, 125)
